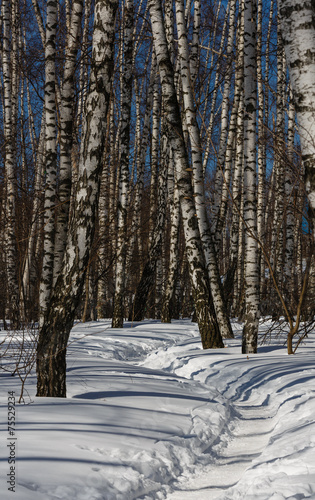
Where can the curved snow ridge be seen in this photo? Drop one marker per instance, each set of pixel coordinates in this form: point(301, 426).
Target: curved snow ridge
point(228, 458)
point(284, 469)
point(272, 404)
point(150, 415)
point(134, 342)
point(147, 473)
point(282, 391)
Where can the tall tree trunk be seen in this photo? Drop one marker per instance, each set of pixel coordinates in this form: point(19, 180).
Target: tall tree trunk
point(54, 333)
point(250, 330)
point(225, 116)
point(11, 257)
point(290, 190)
point(214, 94)
point(66, 136)
point(136, 237)
point(167, 302)
point(148, 274)
point(198, 178)
point(50, 160)
point(298, 33)
point(209, 331)
point(118, 314)
point(29, 271)
point(261, 151)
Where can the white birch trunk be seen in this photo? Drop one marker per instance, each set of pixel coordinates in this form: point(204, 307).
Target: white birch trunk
point(29, 272)
point(167, 302)
point(209, 333)
point(155, 146)
point(289, 194)
point(194, 52)
point(198, 179)
point(118, 314)
point(136, 237)
point(214, 98)
point(10, 174)
point(298, 32)
point(54, 334)
point(261, 153)
point(250, 330)
point(39, 21)
point(50, 160)
point(66, 136)
point(225, 115)
point(148, 274)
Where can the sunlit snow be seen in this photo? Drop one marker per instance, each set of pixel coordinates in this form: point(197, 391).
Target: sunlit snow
point(150, 415)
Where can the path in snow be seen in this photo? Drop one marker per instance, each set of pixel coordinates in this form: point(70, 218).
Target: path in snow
point(149, 414)
point(244, 439)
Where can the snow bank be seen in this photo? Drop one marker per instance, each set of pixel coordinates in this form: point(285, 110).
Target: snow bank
point(126, 431)
point(151, 415)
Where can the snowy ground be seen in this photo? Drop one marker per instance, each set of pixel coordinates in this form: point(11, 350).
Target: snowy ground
point(150, 415)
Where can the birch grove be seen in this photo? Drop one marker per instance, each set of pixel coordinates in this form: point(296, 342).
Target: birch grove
point(157, 162)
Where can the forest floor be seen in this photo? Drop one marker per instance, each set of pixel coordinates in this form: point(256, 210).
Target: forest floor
point(150, 415)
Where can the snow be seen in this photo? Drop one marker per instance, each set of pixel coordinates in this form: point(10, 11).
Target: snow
point(150, 415)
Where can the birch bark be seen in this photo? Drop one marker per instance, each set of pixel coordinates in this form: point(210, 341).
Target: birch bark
point(10, 174)
point(50, 160)
point(167, 302)
point(298, 32)
point(210, 334)
point(290, 189)
point(250, 330)
point(225, 107)
point(66, 136)
point(118, 314)
point(148, 274)
point(261, 152)
point(198, 178)
point(140, 164)
point(54, 334)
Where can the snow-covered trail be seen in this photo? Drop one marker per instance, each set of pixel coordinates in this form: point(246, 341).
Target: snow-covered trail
point(266, 450)
point(242, 441)
point(150, 415)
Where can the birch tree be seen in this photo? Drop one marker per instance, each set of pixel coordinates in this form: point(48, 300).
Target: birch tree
point(66, 134)
point(167, 302)
point(148, 274)
point(54, 333)
point(118, 313)
point(198, 178)
point(298, 33)
point(10, 172)
point(50, 159)
point(250, 330)
point(209, 331)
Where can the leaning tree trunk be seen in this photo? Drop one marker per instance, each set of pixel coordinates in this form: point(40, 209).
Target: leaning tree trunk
point(208, 327)
point(298, 33)
point(198, 178)
point(58, 321)
point(250, 330)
